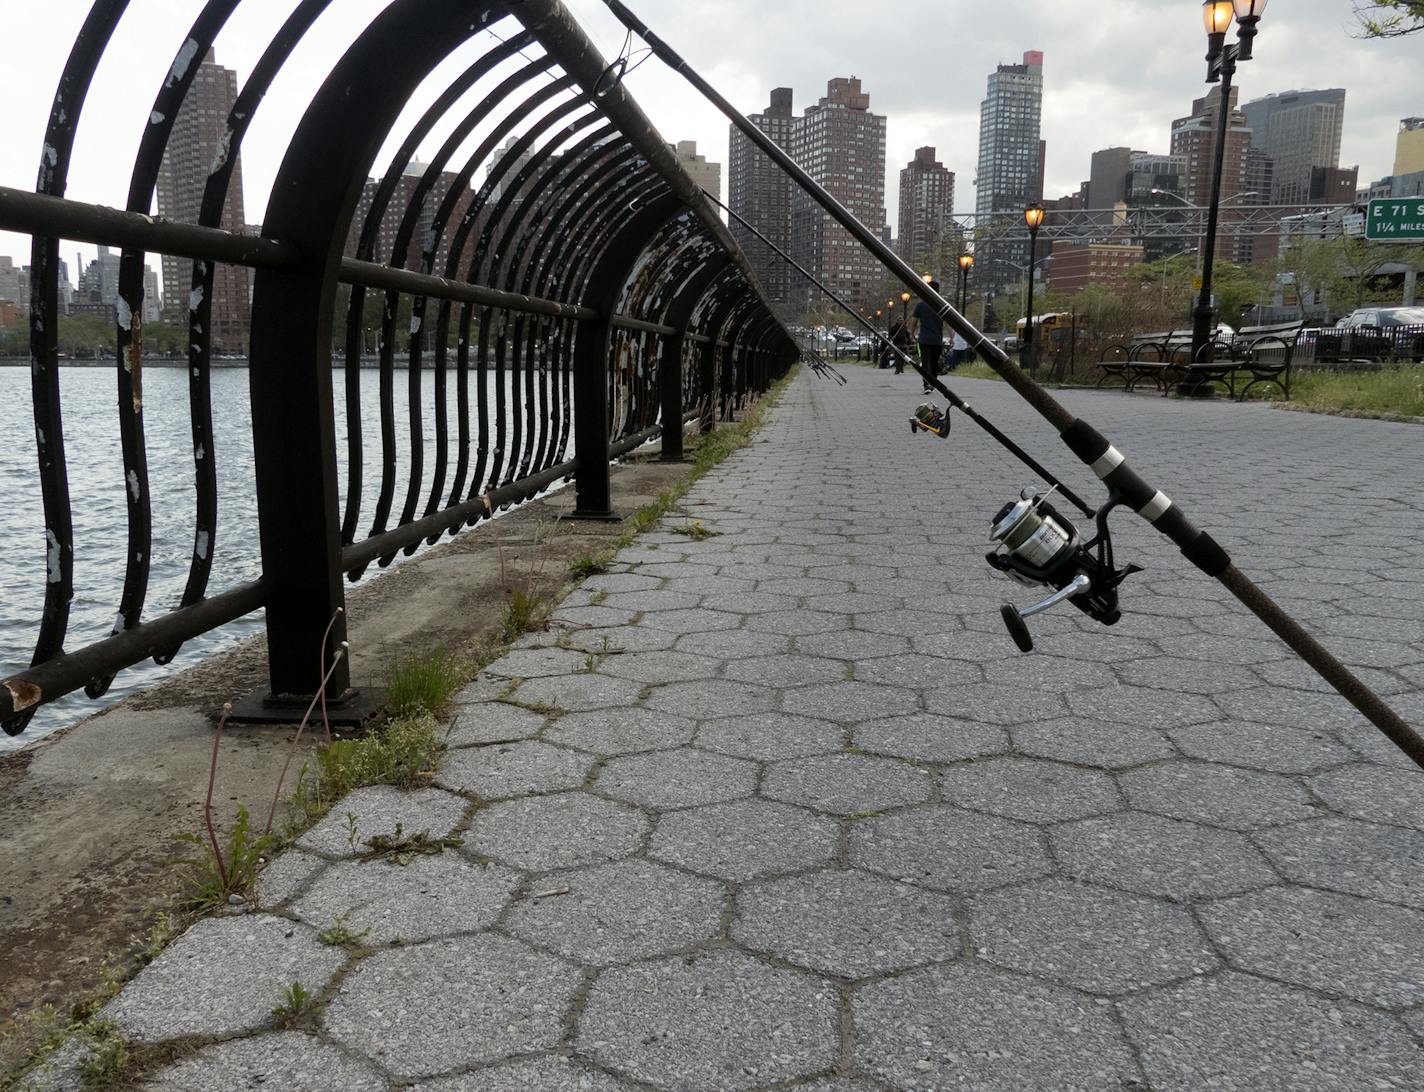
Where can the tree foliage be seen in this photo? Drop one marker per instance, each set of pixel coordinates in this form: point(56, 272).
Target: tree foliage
point(1390, 18)
point(1345, 272)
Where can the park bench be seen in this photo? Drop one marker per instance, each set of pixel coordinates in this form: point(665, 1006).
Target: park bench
point(1265, 353)
point(1134, 360)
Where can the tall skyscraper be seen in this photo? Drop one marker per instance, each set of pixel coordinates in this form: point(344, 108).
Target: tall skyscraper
point(1409, 147)
point(1107, 182)
point(199, 132)
point(928, 233)
point(760, 193)
point(840, 144)
point(400, 199)
point(705, 174)
point(1157, 182)
point(1010, 172)
point(1194, 138)
point(1297, 130)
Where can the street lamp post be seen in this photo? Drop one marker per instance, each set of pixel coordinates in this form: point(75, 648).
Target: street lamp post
point(1033, 217)
point(1221, 67)
point(889, 316)
point(966, 262)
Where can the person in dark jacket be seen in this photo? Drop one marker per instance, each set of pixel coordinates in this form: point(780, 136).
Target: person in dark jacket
point(900, 338)
point(929, 333)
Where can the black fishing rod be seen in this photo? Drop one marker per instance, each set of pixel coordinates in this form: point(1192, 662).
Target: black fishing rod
point(954, 400)
point(1035, 543)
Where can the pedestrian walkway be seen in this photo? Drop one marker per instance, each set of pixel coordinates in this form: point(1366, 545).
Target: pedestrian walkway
point(783, 807)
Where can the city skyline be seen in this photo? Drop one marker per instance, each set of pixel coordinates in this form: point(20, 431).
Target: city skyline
point(1117, 80)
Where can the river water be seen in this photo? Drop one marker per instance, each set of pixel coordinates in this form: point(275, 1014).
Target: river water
point(97, 497)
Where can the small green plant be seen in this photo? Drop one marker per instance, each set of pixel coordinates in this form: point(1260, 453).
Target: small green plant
point(590, 564)
point(523, 611)
point(399, 752)
point(351, 827)
point(217, 872)
point(401, 847)
point(694, 530)
point(295, 999)
point(596, 598)
point(423, 682)
point(339, 934)
point(107, 1060)
point(588, 660)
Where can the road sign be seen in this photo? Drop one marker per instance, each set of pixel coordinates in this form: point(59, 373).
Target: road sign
point(1395, 219)
point(1196, 282)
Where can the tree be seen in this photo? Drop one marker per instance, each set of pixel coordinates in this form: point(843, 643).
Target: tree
point(1390, 18)
point(1348, 271)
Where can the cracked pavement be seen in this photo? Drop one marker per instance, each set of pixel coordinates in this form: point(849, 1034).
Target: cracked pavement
point(783, 807)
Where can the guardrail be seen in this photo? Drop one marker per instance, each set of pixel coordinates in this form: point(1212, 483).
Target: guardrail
point(1363, 344)
point(582, 299)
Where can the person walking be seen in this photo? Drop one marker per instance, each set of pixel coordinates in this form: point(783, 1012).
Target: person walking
point(929, 334)
point(900, 338)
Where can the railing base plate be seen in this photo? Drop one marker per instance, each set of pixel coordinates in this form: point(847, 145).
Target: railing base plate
point(352, 710)
point(596, 517)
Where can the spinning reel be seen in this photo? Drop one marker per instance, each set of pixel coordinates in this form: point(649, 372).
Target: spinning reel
point(1035, 544)
point(930, 418)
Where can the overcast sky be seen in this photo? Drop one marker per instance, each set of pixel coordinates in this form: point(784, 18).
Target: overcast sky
point(1114, 74)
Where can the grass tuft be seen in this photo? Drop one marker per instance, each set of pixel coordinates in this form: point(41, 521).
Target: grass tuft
point(423, 682)
point(207, 881)
point(1396, 390)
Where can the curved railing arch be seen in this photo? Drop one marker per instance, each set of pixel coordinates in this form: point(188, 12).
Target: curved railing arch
point(581, 293)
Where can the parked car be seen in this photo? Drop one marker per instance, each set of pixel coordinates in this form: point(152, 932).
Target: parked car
point(1379, 332)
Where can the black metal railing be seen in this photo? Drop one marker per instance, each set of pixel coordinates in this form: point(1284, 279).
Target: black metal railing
point(1355, 345)
point(552, 290)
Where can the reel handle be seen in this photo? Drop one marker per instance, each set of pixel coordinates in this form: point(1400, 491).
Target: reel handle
point(1014, 618)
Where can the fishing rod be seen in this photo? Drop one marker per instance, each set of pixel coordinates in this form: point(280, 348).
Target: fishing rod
point(937, 424)
point(822, 368)
point(1035, 544)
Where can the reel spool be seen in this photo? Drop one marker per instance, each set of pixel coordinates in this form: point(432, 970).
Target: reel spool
point(1036, 545)
point(931, 419)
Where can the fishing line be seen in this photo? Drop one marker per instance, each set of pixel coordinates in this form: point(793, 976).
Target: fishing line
point(1075, 555)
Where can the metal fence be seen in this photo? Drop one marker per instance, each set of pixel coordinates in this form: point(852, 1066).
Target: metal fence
point(1361, 344)
point(585, 300)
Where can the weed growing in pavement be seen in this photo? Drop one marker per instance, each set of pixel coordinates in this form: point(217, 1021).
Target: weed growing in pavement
point(694, 530)
point(580, 568)
point(339, 935)
point(295, 999)
point(423, 681)
point(401, 847)
point(210, 877)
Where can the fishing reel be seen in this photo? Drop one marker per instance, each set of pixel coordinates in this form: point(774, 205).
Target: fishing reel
point(930, 418)
point(1037, 545)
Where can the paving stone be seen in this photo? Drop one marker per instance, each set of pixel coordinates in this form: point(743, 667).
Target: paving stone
point(1273, 747)
point(786, 670)
point(1375, 794)
point(692, 620)
point(660, 667)
point(852, 645)
point(770, 736)
point(797, 623)
point(1158, 856)
point(1377, 862)
point(1237, 1032)
point(676, 779)
point(660, 599)
point(755, 602)
point(1183, 676)
point(846, 784)
point(850, 702)
point(284, 1059)
point(1222, 796)
point(482, 688)
point(1029, 789)
point(1087, 936)
point(284, 876)
point(718, 1022)
point(430, 1008)
point(965, 1025)
point(716, 585)
point(379, 809)
point(494, 722)
point(258, 956)
point(594, 616)
point(733, 644)
point(1342, 945)
point(949, 849)
point(531, 663)
point(618, 912)
point(558, 831)
point(547, 1073)
point(621, 731)
point(1006, 705)
point(924, 737)
point(513, 769)
point(745, 839)
point(620, 582)
point(587, 690)
point(1104, 744)
point(1143, 707)
point(850, 924)
point(601, 640)
point(1293, 708)
point(710, 698)
point(430, 896)
point(912, 671)
point(1047, 672)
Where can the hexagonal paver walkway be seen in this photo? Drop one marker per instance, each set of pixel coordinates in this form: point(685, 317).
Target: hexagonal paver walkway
point(787, 809)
